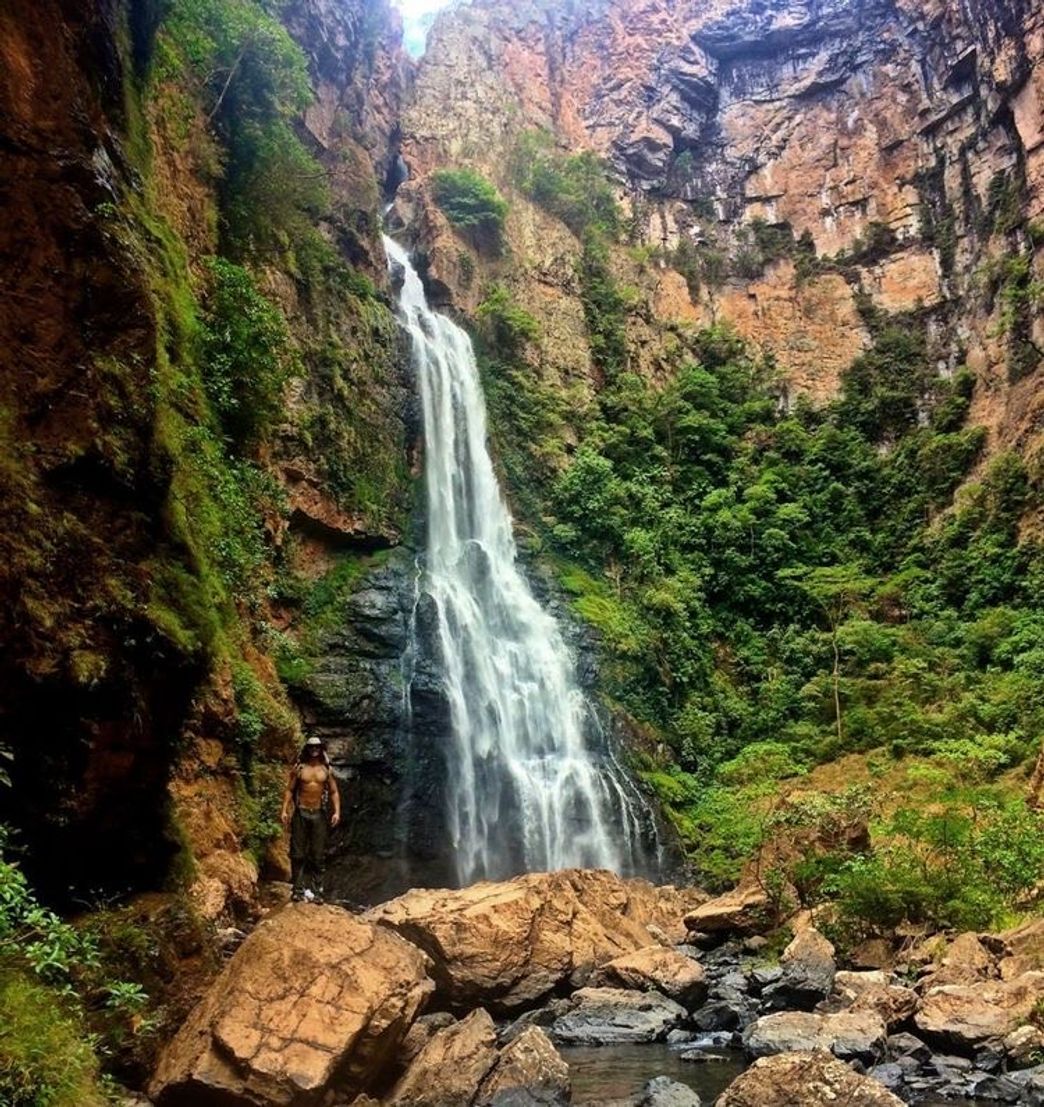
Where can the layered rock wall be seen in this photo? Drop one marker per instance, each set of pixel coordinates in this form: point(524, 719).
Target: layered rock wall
point(899, 144)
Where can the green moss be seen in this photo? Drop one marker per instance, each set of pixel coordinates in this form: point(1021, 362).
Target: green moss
point(45, 1057)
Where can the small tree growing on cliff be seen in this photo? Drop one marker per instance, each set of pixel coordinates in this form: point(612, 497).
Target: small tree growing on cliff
point(472, 204)
point(837, 590)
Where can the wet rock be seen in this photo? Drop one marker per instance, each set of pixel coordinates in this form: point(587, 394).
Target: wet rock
point(602, 1016)
point(508, 945)
point(313, 991)
point(889, 1074)
point(807, 975)
point(859, 1036)
point(722, 1015)
point(907, 1045)
point(763, 977)
point(656, 969)
point(808, 1079)
point(661, 1091)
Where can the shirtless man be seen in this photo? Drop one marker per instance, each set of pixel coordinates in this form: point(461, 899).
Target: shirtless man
point(311, 783)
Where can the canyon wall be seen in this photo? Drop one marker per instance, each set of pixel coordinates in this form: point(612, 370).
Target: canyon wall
point(152, 567)
point(803, 172)
point(794, 169)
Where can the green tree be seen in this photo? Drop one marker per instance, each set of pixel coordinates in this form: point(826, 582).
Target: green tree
point(838, 590)
point(471, 203)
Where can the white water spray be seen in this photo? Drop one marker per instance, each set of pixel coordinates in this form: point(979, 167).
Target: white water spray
point(525, 791)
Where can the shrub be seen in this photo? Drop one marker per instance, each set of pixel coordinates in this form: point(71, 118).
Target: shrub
point(574, 188)
point(253, 80)
point(45, 1058)
point(760, 762)
point(471, 203)
point(508, 327)
point(246, 354)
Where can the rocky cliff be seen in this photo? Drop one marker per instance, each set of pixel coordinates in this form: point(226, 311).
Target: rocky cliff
point(191, 200)
point(793, 169)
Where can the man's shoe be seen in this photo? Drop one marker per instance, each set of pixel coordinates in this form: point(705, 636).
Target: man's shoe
point(309, 895)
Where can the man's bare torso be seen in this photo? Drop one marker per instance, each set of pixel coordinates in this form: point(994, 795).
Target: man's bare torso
point(311, 786)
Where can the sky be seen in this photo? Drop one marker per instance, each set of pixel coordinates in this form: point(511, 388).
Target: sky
point(416, 17)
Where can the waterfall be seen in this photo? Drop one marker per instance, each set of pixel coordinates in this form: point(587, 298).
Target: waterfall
point(526, 790)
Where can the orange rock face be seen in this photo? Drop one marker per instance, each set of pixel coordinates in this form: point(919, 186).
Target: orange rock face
point(507, 945)
point(312, 992)
point(887, 135)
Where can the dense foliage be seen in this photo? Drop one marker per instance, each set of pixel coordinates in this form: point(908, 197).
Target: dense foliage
point(471, 203)
point(251, 78)
point(777, 586)
point(247, 358)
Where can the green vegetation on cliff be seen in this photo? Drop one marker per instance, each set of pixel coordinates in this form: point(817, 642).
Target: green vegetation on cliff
point(776, 588)
point(471, 203)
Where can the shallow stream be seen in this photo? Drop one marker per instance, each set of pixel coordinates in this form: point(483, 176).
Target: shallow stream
point(602, 1075)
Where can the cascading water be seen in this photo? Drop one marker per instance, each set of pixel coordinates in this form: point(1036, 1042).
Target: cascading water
point(526, 792)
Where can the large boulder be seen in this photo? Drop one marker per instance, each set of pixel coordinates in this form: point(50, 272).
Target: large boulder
point(744, 910)
point(314, 992)
point(808, 1079)
point(966, 1017)
point(1021, 949)
point(657, 969)
point(528, 1073)
point(460, 1066)
point(451, 1067)
point(966, 960)
point(601, 1016)
point(507, 945)
point(874, 991)
point(808, 972)
point(848, 1035)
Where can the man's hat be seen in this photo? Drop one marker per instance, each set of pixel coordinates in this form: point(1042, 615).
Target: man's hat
point(314, 741)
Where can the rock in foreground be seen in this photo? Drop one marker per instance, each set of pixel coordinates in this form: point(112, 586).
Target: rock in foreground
point(507, 945)
point(460, 1067)
point(658, 969)
point(808, 1079)
point(314, 992)
point(603, 1016)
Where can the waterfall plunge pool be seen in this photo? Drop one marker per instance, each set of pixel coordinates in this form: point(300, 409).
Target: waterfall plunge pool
point(609, 1074)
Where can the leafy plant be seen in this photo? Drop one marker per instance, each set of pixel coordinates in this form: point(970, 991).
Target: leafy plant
point(471, 203)
point(246, 354)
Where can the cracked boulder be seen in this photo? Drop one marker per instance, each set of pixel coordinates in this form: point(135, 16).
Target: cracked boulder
point(461, 1067)
point(968, 1017)
point(851, 1036)
point(810, 1079)
point(313, 995)
point(506, 946)
point(657, 969)
point(603, 1016)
